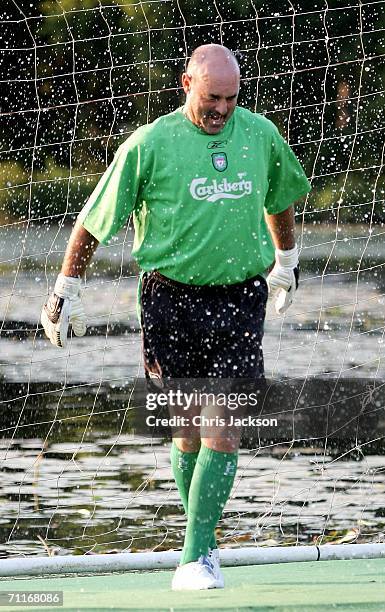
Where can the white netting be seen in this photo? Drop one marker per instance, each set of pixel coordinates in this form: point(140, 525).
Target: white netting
point(78, 76)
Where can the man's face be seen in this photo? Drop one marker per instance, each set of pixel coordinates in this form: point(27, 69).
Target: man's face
point(211, 100)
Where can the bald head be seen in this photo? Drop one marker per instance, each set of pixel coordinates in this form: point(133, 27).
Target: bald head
point(211, 84)
point(208, 59)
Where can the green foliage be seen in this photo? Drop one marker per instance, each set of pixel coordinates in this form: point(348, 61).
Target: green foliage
point(85, 73)
point(51, 192)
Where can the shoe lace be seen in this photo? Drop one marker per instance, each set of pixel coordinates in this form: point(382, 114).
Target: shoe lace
point(206, 562)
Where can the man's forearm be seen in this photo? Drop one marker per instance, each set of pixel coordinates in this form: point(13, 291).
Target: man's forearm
point(282, 229)
point(80, 248)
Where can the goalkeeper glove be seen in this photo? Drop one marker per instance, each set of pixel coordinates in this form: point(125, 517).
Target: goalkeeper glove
point(283, 279)
point(64, 307)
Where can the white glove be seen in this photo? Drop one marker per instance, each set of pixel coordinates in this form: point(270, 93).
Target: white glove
point(64, 307)
point(283, 279)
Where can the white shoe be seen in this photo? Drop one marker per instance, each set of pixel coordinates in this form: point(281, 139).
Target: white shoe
point(196, 576)
point(214, 558)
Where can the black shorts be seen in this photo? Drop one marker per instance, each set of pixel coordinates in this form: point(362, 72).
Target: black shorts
point(192, 331)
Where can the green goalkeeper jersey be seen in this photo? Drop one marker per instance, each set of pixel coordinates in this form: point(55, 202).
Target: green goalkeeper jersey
point(198, 200)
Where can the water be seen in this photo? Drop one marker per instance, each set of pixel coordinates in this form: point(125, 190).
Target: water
point(104, 491)
point(74, 476)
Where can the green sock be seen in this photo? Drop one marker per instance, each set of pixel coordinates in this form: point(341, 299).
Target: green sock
point(183, 465)
point(210, 489)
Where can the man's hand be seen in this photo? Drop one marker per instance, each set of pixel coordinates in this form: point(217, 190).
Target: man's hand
point(64, 307)
point(283, 279)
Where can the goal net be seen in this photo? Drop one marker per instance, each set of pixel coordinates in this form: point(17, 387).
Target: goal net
point(78, 77)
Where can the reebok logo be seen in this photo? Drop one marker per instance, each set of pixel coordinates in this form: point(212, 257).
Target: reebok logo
point(216, 144)
point(218, 190)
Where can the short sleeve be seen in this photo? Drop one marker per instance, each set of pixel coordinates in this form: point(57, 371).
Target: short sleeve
point(287, 179)
point(115, 195)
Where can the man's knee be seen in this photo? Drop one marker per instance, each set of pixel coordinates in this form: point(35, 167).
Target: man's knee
point(222, 445)
point(188, 445)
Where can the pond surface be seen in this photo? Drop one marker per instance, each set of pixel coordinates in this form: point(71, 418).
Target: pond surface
point(76, 478)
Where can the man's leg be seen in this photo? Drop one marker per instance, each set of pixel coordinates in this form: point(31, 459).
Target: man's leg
point(236, 352)
point(210, 489)
point(183, 464)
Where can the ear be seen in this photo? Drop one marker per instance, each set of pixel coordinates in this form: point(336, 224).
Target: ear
point(186, 82)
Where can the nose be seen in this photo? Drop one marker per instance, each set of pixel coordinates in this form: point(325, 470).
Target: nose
point(221, 107)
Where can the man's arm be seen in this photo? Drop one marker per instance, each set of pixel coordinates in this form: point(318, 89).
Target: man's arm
point(282, 229)
point(80, 249)
point(283, 278)
point(64, 306)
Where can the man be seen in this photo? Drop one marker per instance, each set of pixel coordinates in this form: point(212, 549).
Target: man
point(211, 187)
